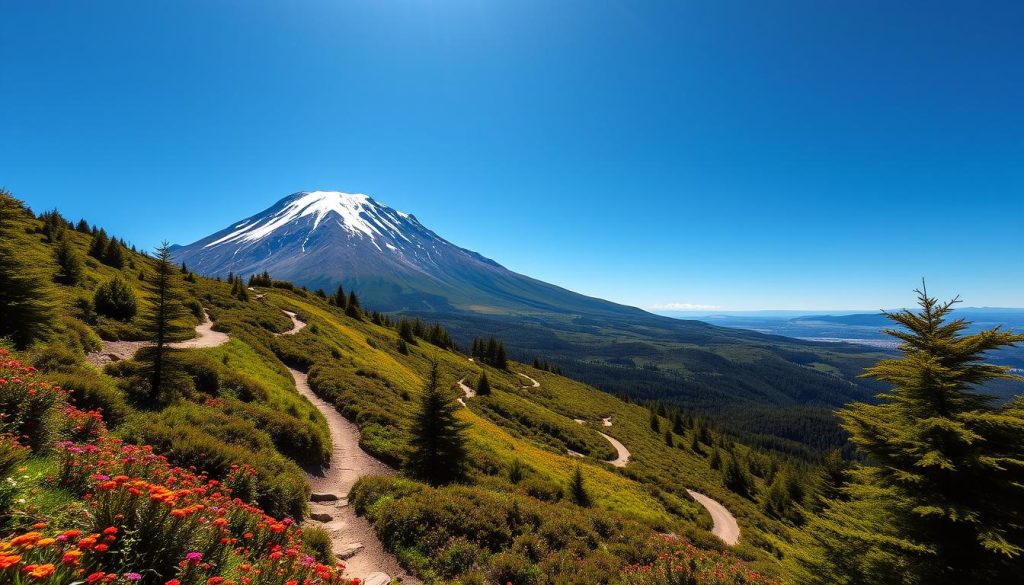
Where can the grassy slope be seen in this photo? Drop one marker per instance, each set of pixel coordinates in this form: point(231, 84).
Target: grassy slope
point(358, 365)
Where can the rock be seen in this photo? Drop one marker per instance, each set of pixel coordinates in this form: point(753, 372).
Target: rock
point(321, 517)
point(349, 550)
point(377, 579)
point(324, 498)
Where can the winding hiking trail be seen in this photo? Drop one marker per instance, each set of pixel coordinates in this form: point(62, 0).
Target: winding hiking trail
point(354, 540)
point(535, 383)
point(469, 392)
point(725, 526)
point(114, 351)
point(622, 452)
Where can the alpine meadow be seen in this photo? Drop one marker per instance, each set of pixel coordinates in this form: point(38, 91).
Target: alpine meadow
point(511, 293)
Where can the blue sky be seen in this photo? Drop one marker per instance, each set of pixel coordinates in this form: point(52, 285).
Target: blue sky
point(742, 155)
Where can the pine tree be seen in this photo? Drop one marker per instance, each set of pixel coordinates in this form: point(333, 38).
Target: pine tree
point(938, 499)
point(578, 490)
point(28, 309)
point(98, 246)
point(437, 445)
point(338, 299)
point(500, 360)
point(82, 226)
point(483, 387)
point(69, 262)
point(352, 306)
point(165, 321)
point(515, 471)
point(114, 254)
point(830, 480)
point(737, 478)
point(669, 440)
point(654, 422)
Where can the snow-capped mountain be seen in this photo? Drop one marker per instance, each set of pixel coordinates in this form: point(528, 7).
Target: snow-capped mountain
point(324, 238)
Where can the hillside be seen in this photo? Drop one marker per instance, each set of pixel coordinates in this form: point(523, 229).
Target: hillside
point(778, 391)
point(236, 405)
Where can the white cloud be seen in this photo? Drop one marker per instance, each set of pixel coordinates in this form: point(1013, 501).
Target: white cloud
point(684, 307)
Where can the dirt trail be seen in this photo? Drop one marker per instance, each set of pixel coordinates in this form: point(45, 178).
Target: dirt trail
point(534, 383)
point(725, 526)
point(354, 540)
point(296, 324)
point(114, 351)
point(623, 454)
point(469, 392)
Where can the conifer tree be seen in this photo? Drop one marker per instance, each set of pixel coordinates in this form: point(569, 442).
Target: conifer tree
point(483, 387)
point(736, 477)
point(677, 423)
point(654, 422)
point(352, 308)
point(98, 246)
point(500, 360)
point(114, 254)
point(669, 440)
point(515, 471)
point(338, 299)
point(578, 493)
point(165, 321)
point(82, 226)
point(437, 445)
point(28, 309)
point(938, 499)
point(69, 262)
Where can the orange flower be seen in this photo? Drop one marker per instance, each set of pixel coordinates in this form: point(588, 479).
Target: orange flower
point(45, 541)
point(41, 572)
point(9, 560)
point(28, 538)
point(110, 530)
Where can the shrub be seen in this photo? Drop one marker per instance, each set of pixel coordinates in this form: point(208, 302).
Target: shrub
point(316, 542)
point(26, 403)
point(56, 357)
point(115, 299)
point(90, 391)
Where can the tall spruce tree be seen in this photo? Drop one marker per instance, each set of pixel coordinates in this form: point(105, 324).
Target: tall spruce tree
point(165, 321)
point(938, 499)
point(28, 307)
point(437, 446)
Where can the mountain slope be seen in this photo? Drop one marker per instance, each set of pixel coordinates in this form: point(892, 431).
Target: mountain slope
point(321, 239)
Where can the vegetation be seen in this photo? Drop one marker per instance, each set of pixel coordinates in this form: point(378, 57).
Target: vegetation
point(115, 299)
point(165, 321)
point(27, 310)
point(937, 499)
point(437, 452)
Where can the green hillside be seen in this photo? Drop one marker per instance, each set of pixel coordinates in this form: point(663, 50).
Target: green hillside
point(236, 405)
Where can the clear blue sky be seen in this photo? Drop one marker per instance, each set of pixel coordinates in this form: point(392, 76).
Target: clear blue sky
point(743, 155)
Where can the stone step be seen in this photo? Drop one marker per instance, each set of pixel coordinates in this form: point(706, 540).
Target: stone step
point(347, 551)
point(324, 497)
point(321, 517)
point(377, 579)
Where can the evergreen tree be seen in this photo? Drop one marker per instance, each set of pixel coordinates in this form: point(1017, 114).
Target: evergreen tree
point(82, 226)
point(578, 490)
point(28, 309)
point(405, 331)
point(654, 422)
point(938, 499)
point(98, 246)
point(352, 306)
point(737, 478)
point(338, 299)
point(483, 387)
point(69, 262)
point(115, 299)
point(669, 440)
point(437, 445)
point(114, 254)
point(500, 360)
point(677, 423)
point(830, 480)
point(165, 321)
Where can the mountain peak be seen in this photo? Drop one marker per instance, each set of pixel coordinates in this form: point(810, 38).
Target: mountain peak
point(356, 213)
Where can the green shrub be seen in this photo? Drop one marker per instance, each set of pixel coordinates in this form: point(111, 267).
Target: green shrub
point(56, 357)
point(115, 299)
point(91, 391)
point(81, 335)
point(316, 542)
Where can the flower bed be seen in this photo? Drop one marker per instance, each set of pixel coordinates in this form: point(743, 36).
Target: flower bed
point(681, 563)
point(145, 521)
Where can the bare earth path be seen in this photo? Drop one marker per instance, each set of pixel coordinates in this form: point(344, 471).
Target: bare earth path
point(725, 526)
point(353, 538)
point(623, 453)
point(122, 350)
